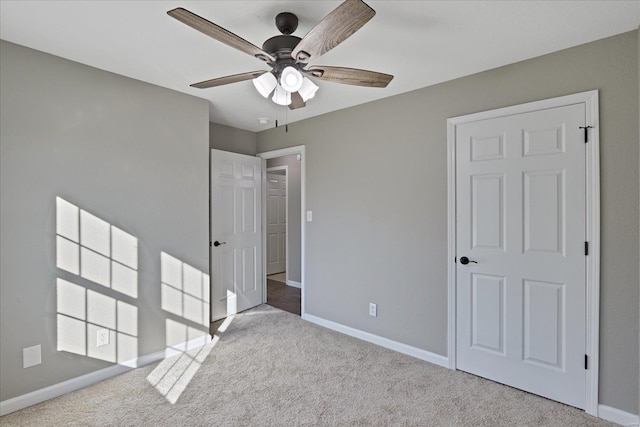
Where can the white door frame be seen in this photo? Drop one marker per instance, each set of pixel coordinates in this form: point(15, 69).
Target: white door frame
point(590, 99)
point(284, 168)
point(299, 149)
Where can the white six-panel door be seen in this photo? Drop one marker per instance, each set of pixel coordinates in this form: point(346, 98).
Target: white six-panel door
point(276, 223)
point(520, 219)
point(236, 262)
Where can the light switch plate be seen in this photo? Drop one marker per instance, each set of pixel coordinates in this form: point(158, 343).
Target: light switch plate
point(31, 356)
point(309, 216)
point(373, 309)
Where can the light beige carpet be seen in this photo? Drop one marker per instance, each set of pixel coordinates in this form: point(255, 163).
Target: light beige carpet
point(271, 368)
point(279, 277)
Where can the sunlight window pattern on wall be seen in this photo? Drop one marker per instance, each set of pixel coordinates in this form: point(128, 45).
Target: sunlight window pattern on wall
point(185, 290)
point(185, 297)
point(89, 321)
point(95, 250)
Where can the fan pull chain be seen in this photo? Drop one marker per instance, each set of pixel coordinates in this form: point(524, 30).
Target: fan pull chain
point(286, 120)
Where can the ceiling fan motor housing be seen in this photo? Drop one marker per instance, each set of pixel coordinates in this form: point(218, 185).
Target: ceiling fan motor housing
point(286, 22)
point(281, 46)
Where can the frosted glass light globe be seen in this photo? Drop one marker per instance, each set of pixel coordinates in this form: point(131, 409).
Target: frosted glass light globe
point(281, 96)
point(265, 84)
point(291, 79)
point(307, 90)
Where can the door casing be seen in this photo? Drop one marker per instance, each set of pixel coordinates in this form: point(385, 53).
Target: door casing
point(298, 149)
point(590, 99)
point(286, 208)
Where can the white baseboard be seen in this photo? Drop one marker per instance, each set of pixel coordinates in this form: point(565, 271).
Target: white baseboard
point(55, 390)
point(294, 284)
point(29, 399)
point(617, 416)
point(418, 353)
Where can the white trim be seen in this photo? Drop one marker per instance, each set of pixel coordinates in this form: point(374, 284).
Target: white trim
point(593, 260)
point(418, 353)
point(185, 346)
point(264, 230)
point(617, 416)
point(55, 390)
point(545, 104)
point(278, 168)
point(590, 99)
point(298, 149)
point(285, 168)
point(451, 238)
point(29, 399)
point(294, 284)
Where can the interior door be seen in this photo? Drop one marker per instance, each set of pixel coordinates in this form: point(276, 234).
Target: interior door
point(236, 235)
point(276, 223)
point(521, 222)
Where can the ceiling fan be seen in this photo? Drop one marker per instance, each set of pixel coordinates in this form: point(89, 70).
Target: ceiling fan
point(289, 56)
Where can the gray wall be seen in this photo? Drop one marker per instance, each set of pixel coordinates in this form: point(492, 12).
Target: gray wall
point(294, 196)
point(376, 183)
point(228, 138)
point(134, 155)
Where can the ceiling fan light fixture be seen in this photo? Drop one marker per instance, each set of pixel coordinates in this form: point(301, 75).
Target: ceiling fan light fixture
point(288, 55)
point(291, 79)
point(308, 89)
point(265, 84)
point(281, 96)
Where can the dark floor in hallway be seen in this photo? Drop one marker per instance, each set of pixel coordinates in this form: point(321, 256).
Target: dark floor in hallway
point(284, 297)
point(279, 295)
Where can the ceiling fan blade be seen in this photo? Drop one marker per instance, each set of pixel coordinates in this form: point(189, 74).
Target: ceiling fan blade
point(296, 101)
point(350, 76)
point(335, 28)
point(215, 31)
point(228, 79)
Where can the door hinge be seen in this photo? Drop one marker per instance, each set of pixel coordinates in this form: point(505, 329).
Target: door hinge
point(586, 248)
point(209, 243)
point(586, 132)
point(586, 359)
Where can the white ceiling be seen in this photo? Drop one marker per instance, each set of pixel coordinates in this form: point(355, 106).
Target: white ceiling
point(420, 42)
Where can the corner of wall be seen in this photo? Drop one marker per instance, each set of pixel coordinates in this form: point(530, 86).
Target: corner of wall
point(227, 138)
point(638, 49)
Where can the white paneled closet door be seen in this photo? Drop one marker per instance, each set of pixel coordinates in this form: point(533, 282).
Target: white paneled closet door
point(521, 225)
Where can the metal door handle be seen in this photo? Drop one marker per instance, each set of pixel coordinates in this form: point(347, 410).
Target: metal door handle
point(216, 243)
point(464, 260)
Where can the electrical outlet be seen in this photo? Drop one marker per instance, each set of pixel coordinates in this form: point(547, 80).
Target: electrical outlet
point(373, 309)
point(102, 337)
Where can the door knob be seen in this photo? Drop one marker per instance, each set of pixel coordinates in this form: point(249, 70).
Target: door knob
point(216, 243)
point(464, 260)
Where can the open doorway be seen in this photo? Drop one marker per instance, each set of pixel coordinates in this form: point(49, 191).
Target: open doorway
point(283, 202)
point(279, 293)
point(277, 204)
